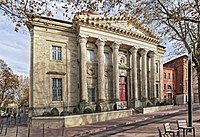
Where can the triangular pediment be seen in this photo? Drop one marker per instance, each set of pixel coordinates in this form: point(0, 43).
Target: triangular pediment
point(124, 25)
point(121, 24)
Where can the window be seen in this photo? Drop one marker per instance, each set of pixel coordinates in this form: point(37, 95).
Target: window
point(56, 53)
point(156, 67)
point(173, 76)
point(173, 87)
point(164, 75)
point(164, 86)
point(56, 89)
point(169, 87)
point(106, 58)
point(90, 55)
point(168, 75)
point(91, 95)
point(157, 88)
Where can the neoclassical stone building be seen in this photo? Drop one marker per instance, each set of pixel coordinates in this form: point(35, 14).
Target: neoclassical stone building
point(93, 59)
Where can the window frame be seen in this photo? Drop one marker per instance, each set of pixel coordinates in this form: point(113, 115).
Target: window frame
point(91, 97)
point(57, 89)
point(56, 53)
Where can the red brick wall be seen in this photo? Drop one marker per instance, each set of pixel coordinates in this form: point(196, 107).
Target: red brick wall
point(180, 66)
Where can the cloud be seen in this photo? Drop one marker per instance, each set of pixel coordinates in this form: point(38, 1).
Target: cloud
point(14, 46)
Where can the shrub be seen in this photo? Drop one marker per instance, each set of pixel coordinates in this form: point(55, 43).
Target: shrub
point(98, 108)
point(87, 111)
point(115, 106)
point(65, 113)
point(149, 104)
point(54, 112)
point(46, 113)
point(158, 103)
point(76, 110)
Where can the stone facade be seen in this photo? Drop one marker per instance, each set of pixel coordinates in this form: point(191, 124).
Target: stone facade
point(93, 60)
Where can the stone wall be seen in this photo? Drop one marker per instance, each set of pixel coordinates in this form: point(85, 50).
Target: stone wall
point(43, 37)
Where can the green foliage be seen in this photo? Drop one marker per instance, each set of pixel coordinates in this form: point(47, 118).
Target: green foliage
point(65, 113)
point(46, 113)
point(149, 104)
point(144, 99)
point(76, 110)
point(98, 107)
point(54, 112)
point(115, 107)
point(87, 111)
point(158, 103)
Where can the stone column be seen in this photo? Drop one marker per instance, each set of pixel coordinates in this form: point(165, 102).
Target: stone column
point(115, 48)
point(133, 51)
point(144, 73)
point(83, 67)
point(101, 88)
point(153, 75)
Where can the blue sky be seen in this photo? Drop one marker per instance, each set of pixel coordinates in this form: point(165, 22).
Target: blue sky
point(15, 46)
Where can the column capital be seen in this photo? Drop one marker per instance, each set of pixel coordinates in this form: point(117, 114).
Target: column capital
point(115, 45)
point(100, 42)
point(144, 52)
point(152, 54)
point(82, 39)
point(133, 49)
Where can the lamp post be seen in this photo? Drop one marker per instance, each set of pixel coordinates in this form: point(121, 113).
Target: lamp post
point(190, 108)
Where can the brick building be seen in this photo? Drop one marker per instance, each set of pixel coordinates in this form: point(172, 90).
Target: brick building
point(178, 68)
point(169, 81)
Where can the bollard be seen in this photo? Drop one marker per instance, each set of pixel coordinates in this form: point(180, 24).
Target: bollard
point(6, 129)
point(17, 130)
point(63, 129)
point(43, 130)
point(1, 128)
point(29, 130)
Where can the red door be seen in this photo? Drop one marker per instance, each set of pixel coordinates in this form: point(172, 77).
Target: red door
point(122, 89)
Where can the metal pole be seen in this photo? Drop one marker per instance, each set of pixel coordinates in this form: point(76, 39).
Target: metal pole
point(190, 109)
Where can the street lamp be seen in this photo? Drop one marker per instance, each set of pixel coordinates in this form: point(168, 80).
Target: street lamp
point(196, 48)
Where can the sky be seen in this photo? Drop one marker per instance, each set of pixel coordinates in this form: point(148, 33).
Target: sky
point(15, 47)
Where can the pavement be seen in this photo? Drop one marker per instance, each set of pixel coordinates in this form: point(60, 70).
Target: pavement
point(137, 125)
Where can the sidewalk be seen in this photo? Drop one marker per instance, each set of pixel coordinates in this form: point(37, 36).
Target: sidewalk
point(106, 125)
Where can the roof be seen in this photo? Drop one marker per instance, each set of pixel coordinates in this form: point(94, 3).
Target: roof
point(124, 24)
point(175, 58)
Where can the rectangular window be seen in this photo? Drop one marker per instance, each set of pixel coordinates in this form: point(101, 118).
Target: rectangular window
point(156, 67)
point(168, 75)
point(157, 88)
point(173, 76)
point(90, 55)
point(56, 89)
point(164, 75)
point(106, 58)
point(91, 94)
point(56, 53)
point(164, 86)
point(173, 87)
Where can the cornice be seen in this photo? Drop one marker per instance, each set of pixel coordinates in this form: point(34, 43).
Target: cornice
point(94, 21)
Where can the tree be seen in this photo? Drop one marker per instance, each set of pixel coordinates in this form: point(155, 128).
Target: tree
point(8, 85)
point(22, 92)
